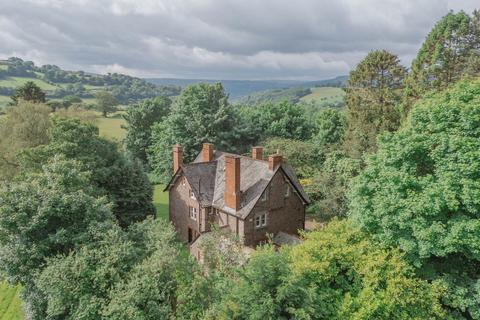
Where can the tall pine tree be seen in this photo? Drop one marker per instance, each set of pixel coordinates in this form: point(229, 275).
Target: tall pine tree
point(373, 93)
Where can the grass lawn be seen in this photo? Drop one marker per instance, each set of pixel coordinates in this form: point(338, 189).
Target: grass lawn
point(4, 100)
point(111, 127)
point(10, 303)
point(14, 82)
point(160, 201)
point(324, 94)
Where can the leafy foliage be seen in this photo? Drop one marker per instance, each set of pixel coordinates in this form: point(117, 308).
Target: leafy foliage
point(119, 275)
point(24, 126)
point(282, 120)
point(302, 156)
point(329, 277)
point(421, 192)
point(140, 119)
point(450, 51)
point(106, 102)
point(122, 180)
point(372, 95)
point(29, 92)
point(201, 114)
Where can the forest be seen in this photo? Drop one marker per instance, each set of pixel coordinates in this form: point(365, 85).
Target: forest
point(393, 174)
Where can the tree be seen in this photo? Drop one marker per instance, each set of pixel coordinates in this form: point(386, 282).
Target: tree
point(328, 187)
point(282, 120)
point(451, 50)
point(106, 102)
point(122, 180)
point(140, 119)
point(43, 215)
point(329, 277)
point(29, 92)
point(118, 275)
point(301, 155)
point(421, 192)
point(329, 128)
point(25, 126)
point(373, 93)
point(200, 114)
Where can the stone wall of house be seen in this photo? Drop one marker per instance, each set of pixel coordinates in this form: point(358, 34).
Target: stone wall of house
point(179, 215)
point(285, 214)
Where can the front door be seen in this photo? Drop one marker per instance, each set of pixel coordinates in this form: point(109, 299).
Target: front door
point(190, 235)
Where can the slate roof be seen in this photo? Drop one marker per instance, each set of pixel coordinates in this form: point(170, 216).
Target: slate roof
point(207, 180)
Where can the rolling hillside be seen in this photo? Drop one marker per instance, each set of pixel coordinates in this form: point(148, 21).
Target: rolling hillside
point(58, 83)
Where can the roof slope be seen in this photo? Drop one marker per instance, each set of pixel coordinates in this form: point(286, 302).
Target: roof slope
point(207, 180)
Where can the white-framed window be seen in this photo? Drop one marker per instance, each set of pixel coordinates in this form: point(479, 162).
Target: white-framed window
point(193, 213)
point(287, 190)
point(184, 181)
point(261, 220)
point(192, 195)
point(264, 196)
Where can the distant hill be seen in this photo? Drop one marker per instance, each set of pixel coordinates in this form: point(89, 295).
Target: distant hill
point(241, 89)
point(59, 83)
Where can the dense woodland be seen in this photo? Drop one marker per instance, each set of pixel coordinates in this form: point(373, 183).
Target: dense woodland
point(395, 177)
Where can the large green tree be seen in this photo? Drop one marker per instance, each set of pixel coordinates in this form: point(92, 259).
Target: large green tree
point(450, 51)
point(200, 114)
point(283, 120)
point(373, 93)
point(118, 275)
point(140, 118)
point(336, 273)
point(421, 192)
point(106, 102)
point(46, 214)
point(122, 180)
point(28, 92)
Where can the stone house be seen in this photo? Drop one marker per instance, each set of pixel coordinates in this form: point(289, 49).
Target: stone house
point(248, 196)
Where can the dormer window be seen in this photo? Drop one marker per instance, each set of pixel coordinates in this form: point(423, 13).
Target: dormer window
point(192, 195)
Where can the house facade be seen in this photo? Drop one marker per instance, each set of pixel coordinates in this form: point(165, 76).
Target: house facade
point(248, 196)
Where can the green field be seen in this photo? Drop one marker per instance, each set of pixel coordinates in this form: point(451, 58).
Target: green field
point(111, 127)
point(324, 94)
point(14, 82)
point(160, 201)
point(10, 304)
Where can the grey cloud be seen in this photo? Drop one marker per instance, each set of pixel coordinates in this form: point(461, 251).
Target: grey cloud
point(227, 39)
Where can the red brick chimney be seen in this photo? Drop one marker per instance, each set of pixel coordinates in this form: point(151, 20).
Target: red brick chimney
point(274, 161)
point(232, 182)
point(257, 153)
point(177, 157)
point(207, 152)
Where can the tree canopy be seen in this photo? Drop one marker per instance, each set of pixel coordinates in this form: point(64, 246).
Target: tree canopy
point(28, 92)
point(372, 95)
point(421, 192)
point(140, 118)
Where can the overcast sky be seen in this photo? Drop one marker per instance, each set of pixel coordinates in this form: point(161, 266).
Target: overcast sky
point(216, 39)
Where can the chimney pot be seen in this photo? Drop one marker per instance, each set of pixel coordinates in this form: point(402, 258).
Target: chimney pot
point(232, 182)
point(207, 152)
point(177, 157)
point(257, 153)
point(274, 161)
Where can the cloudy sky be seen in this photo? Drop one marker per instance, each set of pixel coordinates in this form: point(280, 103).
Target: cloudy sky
point(216, 39)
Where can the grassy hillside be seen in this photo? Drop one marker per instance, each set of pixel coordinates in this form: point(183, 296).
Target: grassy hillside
point(324, 95)
point(10, 303)
point(58, 83)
